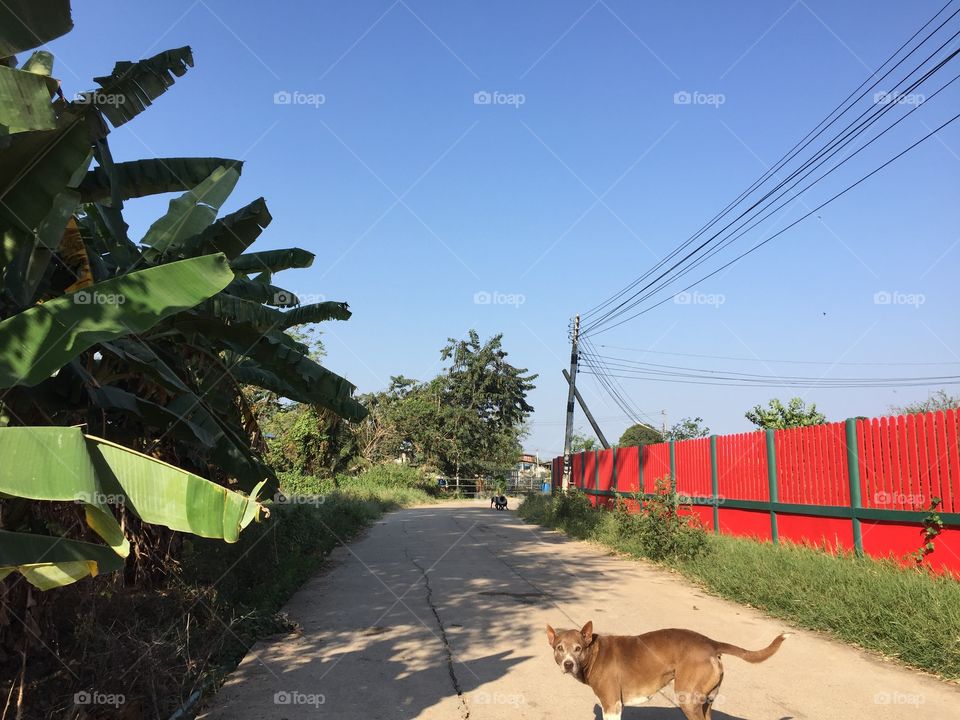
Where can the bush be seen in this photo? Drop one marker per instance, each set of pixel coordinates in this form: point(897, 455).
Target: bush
point(659, 531)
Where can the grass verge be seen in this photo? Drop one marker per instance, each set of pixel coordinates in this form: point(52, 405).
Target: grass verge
point(878, 605)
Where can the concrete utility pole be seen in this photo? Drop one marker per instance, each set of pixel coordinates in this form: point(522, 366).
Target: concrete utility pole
point(586, 411)
point(664, 413)
point(571, 391)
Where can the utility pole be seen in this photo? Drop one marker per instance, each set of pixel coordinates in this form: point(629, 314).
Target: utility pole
point(571, 390)
point(664, 413)
point(586, 411)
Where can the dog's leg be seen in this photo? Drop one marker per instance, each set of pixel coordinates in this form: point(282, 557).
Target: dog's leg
point(696, 688)
point(612, 711)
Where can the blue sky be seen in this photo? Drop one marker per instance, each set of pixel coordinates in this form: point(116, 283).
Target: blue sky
point(415, 198)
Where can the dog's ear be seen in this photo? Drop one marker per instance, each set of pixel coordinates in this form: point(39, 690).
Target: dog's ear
point(551, 635)
point(586, 632)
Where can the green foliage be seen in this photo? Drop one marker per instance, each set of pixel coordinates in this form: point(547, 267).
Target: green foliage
point(658, 532)
point(580, 442)
point(777, 416)
point(639, 434)
point(687, 429)
point(940, 400)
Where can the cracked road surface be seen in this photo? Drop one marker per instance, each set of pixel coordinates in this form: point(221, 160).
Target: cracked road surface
point(438, 613)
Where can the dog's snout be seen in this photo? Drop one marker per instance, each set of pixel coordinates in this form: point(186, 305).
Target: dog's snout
point(568, 665)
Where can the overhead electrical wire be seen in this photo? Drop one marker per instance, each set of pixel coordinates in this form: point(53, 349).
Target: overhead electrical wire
point(775, 362)
point(846, 136)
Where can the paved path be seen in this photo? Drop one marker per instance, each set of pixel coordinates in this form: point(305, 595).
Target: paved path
point(439, 612)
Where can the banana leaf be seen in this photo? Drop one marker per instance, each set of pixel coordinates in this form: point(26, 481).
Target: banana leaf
point(38, 341)
point(190, 213)
point(317, 312)
point(273, 260)
point(141, 178)
point(26, 24)
point(262, 293)
point(152, 415)
point(24, 102)
point(48, 562)
point(133, 86)
point(231, 234)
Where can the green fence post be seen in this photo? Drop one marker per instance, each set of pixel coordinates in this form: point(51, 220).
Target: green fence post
point(640, 468)
point(596, 471)
point(714, 483)
point(853, 472)
point(614, 483)
point(772, 479)
point(673, 470)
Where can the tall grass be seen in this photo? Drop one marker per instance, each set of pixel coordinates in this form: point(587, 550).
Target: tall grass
point(902, 613)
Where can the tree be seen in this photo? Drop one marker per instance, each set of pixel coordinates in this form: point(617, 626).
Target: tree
point(940, 400)
point(640, 434)
point(777, 416)
point(687, 429)
point(580, 442)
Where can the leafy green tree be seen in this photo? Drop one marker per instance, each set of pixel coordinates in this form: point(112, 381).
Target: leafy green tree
point(640, 434)
point(940, 400)
point(580, 442)
point(777, 416)
point(687, 429)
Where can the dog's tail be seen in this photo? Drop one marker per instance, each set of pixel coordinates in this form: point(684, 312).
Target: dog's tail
point(753, 656)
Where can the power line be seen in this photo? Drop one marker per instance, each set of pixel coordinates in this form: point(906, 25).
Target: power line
point(776, 362)
point(821, 156)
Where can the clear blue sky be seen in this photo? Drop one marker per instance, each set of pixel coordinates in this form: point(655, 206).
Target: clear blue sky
point(503, 198)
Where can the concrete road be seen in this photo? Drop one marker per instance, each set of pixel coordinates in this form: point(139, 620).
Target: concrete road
point(439, 612)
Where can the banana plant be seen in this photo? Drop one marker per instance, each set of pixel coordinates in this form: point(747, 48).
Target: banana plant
point(147, 342)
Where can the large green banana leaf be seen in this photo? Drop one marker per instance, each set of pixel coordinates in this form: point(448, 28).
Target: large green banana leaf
point(140, 178)
point(133, 86)
point(49, 562)
point(63, 464)
point(26, 24)
point(24, 102)
point(190, 213)
point(45, 337)
point(231, 234)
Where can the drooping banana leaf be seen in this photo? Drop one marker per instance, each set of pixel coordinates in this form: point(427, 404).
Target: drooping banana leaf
point(190, 213)
point(39, 340)
point(48, 562)
point(231, 234)
point(133, 86)
point(317, 312)
point(141, 178)
point(152, 415)
point(273, 260)
point(262, 293)
point(26, 24)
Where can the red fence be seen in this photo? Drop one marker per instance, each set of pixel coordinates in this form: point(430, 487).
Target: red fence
point(864, 484)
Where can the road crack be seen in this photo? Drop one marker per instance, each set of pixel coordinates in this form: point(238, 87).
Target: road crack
point(451, 669)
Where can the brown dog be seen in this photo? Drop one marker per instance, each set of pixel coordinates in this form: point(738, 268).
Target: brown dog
point(626, 670)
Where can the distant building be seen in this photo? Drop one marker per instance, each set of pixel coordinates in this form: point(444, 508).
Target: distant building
point(529, 473)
